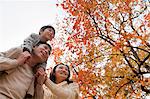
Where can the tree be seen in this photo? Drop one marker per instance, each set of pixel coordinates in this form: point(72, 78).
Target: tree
point(108, 46)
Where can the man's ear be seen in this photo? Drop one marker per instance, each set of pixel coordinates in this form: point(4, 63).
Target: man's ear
point(35, 46)
point(33, 49)
point(41, 31)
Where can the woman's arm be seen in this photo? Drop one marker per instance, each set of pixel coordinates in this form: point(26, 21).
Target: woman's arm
point(40, 78)
point(71, 91)
point(39, 92)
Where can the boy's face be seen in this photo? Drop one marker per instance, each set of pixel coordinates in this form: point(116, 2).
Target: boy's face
point(48, 34)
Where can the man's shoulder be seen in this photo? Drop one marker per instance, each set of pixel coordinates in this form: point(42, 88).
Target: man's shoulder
point(14, 52)
point(17, 49)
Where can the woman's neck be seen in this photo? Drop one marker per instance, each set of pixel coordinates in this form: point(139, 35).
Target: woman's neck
point(58, 81)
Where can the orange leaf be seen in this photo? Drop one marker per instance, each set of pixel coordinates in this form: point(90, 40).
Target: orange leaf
point(147, 17)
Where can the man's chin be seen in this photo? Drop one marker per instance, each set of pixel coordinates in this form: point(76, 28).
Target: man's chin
point(42, 60)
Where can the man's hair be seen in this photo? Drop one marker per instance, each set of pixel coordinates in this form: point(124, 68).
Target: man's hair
point(45, 27)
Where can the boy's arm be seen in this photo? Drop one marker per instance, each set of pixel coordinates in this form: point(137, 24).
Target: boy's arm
point(30, 42)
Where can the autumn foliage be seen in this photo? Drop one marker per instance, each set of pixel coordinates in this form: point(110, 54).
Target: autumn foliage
point(108, 47)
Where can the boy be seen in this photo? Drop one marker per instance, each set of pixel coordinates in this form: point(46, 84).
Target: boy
point(46, 33)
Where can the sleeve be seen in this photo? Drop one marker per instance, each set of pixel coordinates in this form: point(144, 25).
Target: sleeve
point(47, 93)
point(12, 53)
point(43, 65)
point(7, 63)
point(8, 59)
point(30, 42)
point(71, 92)
point(30, 94)
point(39, 92)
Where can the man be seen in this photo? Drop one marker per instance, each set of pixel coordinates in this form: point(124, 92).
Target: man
point(18, 79)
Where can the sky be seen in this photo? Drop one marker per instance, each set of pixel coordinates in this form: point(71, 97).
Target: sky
point(20, 18)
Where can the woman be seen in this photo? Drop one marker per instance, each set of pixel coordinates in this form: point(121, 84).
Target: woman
point(58, 86)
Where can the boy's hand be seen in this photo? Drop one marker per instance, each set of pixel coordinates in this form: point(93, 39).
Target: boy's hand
point(23, 57)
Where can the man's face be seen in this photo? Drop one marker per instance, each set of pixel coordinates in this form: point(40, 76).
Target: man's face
point(42, 52)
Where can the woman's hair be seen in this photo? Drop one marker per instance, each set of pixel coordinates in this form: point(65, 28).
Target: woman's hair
point(53, 77)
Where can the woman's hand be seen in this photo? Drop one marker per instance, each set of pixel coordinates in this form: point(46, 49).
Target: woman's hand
point(41, 76)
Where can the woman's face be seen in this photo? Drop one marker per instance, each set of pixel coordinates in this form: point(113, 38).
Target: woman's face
point(61, 73)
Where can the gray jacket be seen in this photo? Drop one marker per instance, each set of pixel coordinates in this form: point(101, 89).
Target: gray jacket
point(30, 42)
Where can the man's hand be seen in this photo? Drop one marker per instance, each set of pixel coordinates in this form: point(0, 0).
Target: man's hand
point(23, 58)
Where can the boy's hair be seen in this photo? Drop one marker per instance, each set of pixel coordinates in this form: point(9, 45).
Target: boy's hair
point(45, 27)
